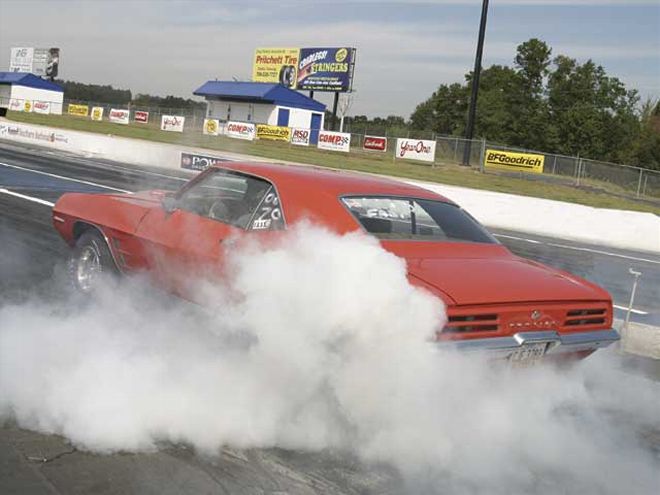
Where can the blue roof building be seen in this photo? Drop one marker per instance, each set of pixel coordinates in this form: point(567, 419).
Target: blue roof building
point(25, 92)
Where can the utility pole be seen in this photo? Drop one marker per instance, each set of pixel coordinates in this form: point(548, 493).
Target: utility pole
point(469, 130)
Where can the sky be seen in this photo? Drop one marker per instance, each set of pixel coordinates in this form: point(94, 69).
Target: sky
point(405, 49)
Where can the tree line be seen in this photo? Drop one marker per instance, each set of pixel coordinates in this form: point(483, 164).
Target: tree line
point(554, 105)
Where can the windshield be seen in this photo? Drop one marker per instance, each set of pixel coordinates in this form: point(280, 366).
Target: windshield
point(412, 218)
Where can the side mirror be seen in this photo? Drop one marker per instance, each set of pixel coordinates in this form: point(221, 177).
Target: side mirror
point(170, 204)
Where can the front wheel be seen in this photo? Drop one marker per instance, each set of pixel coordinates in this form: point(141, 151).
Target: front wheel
point(90, 262)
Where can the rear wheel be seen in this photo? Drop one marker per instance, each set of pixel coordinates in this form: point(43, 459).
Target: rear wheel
point(90, 262)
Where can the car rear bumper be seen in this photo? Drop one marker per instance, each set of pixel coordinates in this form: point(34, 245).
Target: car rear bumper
point(556, 343)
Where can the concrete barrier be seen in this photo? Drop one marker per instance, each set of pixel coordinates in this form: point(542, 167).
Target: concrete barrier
point(616, 228)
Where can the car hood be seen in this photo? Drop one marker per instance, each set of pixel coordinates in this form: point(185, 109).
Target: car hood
point(489, 274)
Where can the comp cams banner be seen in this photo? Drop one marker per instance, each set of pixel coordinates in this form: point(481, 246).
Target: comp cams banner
point(119, 116)
point(173, 123)
point(273, 133)
point(415, 149)
point(240, 130)
point(334, 141)
point(511, 161)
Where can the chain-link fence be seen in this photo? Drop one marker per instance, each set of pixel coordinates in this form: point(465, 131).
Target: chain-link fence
point(611, 178)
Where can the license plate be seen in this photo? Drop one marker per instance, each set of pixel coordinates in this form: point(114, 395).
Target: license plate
point(528, 354)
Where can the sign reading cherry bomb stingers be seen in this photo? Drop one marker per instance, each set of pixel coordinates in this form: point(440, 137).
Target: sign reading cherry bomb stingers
point(173, 123)
point(119, 116)
point(415, 149)
point(240, 130)
point(334, 141)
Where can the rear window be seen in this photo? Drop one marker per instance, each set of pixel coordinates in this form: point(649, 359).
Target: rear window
point(417, 219)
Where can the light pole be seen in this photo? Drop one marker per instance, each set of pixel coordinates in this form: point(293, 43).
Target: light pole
point(469, 130)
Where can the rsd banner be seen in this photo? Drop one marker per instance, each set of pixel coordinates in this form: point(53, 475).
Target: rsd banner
point(140, 116)
point(334, 141)
point(326, 69)
point(273, 132)
point(374, 143)
point(173, 123)
point(119, 116)
point(41, 107)
point(79, 110)
point(194, 161)
point(240, 130)
point(300, 137)
point(97, 114)
point(276, 65)
point(508, 160)
point(211, 127)
point(415, 149)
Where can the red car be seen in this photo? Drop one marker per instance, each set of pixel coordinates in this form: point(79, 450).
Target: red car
point(511, 306)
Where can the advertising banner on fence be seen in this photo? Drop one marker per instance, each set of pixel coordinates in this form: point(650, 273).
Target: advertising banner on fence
point(140, 116)
point(16, 105)
point(326, 69)
point(335, 141)
point(193, 161)
point(79, 110)
point(119, 116)
point(276, 65)
point(27, 106)
point(300, 137)
point(240, 130)
point(374, 143)
point(273, 132)
point(41, 107)
point(415, 149)
point(211, 127)
point(512, 161)
point(173, 123)
point(97, 114)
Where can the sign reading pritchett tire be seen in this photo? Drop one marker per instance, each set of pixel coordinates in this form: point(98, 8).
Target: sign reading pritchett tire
point(415, 149)
point(511, 161)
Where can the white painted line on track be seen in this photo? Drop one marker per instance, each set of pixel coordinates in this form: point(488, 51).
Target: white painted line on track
point(578, 248)
point(633, 310)
point(29, 198)
point(95, 184)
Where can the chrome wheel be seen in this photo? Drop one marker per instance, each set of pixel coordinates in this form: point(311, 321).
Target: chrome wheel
point(88, 267)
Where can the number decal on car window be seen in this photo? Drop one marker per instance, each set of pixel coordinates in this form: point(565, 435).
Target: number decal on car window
point(269, 212)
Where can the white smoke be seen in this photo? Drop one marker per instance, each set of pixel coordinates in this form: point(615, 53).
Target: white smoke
point(318, 342)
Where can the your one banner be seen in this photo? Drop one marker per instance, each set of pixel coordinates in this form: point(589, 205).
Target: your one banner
point(415, 149)
point(41, 107)
point(240, 130)
point(173, 123)
point(97, 114)
point(79, 110)
point(119, 116)
point(140, 116)
point(334, 141)
point(211, 127)
point(273, 132)
point(300, 137)
point(374, 143)
point(511, 161)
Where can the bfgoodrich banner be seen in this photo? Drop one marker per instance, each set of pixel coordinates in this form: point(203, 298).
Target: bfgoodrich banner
point(240, 130)
point(415, 149)
point(334, 141)
point(508, 160)
point(273, 132)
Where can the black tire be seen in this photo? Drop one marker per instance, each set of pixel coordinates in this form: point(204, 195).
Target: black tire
point(91, 262)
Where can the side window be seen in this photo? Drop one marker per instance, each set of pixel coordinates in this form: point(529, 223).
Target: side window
point(240, 200)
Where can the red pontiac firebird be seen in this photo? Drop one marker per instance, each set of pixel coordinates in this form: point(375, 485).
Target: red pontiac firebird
point(496, 301)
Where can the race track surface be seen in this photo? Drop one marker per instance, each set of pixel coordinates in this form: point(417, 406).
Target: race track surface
point(32, 265)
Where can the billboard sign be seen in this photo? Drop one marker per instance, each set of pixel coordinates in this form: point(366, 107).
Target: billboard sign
point(20, 59)
point(194, 161)
point(326, 69)
point(300, 137)
point(334, 141)
point(172, 123)
point(43, 62)
point(273, 132)
point(140, 116)
point(41, 107)
point(276, 65)
point(518, 162)
point(415, 149)
point(119, 116)
point(374, 143)
point(79, 110)
point(240, 130)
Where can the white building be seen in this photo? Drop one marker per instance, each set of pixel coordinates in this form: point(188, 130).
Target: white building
point(262, 103)
point(24, 92)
